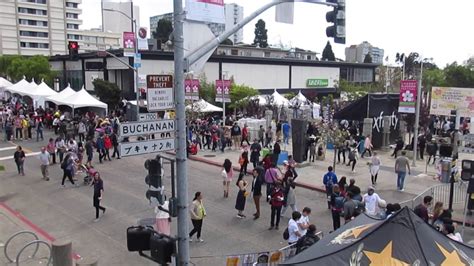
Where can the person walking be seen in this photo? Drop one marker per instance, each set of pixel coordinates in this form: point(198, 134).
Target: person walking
point(100, 145)
point(255, 149)
point(372, 202)
point(227, 175)
point(286, 127)
point(197, 212)
point(115, 144)
point(352, 158)
point(337, 205)
point(241, 195)
point(432, 149)
point(44, 158)
point(68, 169)
point(19, 157)
point(81, 130)
point(257, 191)
point(107, 147)
point(374, 168)
point(39, 130)
point(329, 180)
point(236, 133)
point(293, 229)
point(89, 150)
point(276, 202)
point(51, 149)
point(276, 152)
point(244, 161)
point(98, 194)
point(261, 136)
point(163, 219)
point(60, 148)
point(271, 177)
point(401, 166)
point(367, 146)
point(268, 137)
point(290, 196)
point(421, 144)
point(245, 135)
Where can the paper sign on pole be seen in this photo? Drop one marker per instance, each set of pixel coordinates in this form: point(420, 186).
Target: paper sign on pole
point(142, 40)
point(408, 90)
point(223, 91)
point(159, 94)
point(205, 10)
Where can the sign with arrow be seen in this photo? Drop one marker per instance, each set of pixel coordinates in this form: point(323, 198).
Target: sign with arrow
point(191, 89)
point(223, 91)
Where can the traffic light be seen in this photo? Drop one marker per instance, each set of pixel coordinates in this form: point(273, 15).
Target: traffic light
point(155, 190)
point(73, 48)
point(338, 18)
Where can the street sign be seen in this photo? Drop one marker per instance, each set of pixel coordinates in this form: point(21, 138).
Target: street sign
point(223, 91)
point(129, 42)
point(408, 91)
point(145, 147)
point(191, 89)
point(147, 117)
point(159, 92)
point(137, 61)
point(146, 128)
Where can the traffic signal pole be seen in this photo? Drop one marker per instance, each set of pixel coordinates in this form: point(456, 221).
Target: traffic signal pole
point(181, 65)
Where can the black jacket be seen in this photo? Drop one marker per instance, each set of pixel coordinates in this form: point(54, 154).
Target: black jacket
point(257, 186)
point(306, 241)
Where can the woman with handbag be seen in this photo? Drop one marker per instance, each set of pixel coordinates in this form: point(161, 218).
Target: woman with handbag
point(241, 196)
point(277, 200)
point(197, 213)
point(227, 175)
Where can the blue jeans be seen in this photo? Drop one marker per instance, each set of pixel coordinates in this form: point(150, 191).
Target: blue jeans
point(401, 180)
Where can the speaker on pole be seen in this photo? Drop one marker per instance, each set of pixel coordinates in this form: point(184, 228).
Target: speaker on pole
point(299, 140)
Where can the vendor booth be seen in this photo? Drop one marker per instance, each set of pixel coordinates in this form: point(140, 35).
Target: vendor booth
point(59, 97)
point(374, 106)
point(83, 99)
point(202, 106)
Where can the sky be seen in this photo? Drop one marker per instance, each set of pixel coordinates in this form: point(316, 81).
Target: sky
point(435, 29)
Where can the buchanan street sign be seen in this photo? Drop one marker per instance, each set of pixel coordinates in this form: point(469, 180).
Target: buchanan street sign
point(317, 83)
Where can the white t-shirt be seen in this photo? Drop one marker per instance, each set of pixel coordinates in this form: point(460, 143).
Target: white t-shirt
point(371, 203)
point(292, 229)
point(303, 220)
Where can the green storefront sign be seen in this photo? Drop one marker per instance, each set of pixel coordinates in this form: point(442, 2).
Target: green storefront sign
point(317, 83)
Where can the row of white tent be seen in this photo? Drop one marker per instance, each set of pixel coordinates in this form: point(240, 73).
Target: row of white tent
point(278, 100)
point(42, 93)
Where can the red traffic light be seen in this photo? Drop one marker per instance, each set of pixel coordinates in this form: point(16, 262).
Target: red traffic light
point(73, 46)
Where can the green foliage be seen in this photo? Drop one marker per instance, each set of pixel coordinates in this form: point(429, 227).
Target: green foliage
point(207, 91)
point(261, 37)
point(459, 76)
point(240, 95)
point(107, 92)
point(289, 95)
point(5, 62)
point(227, 42)
point(368, 58)
point(328, 54)
point(36, 67)
point(163, 30)
point(433, 77)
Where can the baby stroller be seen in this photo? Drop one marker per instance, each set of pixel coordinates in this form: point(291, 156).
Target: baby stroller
point(90, 172)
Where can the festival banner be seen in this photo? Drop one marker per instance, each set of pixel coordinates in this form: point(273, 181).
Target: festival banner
point(408, 89)
point(445, 99)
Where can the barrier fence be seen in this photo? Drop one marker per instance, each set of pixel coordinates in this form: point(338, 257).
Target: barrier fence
point(440, 193)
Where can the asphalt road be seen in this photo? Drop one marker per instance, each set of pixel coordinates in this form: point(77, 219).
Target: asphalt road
point(67, 213)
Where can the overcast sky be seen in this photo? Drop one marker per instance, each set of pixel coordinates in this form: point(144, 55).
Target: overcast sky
point(438, 29)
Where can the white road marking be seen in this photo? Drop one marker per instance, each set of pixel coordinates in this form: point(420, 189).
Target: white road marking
point(7, 148)
point(27, 155)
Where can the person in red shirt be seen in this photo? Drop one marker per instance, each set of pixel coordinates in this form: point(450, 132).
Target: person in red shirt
point(276, 202)
point(245, 135)
point(107, 145)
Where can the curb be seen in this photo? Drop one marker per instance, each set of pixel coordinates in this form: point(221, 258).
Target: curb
point(210, 162)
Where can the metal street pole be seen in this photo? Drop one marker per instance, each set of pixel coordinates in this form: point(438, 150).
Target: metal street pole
point(181, 171)
point(417, 116)
point(137, 91)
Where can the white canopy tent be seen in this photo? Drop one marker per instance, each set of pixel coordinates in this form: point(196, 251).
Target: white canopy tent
point(40, 93)
point(83, 99)
point(21, 87)
point(203, 107)
point(3, 85)
point(59, 97)
point(300, 100)
point(262, 101)
point(278, 100)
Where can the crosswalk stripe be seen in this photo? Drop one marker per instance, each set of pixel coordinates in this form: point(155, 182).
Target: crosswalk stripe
point(7, 148)
point(11, 157)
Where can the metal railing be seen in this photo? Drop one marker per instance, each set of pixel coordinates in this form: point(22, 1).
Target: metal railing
point(36, 241)
point(440, 193)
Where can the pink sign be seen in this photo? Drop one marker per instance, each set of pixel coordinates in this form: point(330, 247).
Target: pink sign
point(213, 2)
point(408, 94)
point(223, 91)
point(191, 89)
point(129, 40)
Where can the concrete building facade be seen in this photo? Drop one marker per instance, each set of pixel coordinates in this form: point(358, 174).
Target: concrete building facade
point(38, 27)
point(357, 53)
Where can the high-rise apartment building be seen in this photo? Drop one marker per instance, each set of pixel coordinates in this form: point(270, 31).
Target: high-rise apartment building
point(357, 53)
point(233, 15)
point(32, 27)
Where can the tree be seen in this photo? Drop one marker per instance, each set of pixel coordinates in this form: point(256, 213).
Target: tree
point(368, 58)
point(163, 30)
point(240, 95)
point(36, 67)
point(328, 54)
point(261, 38)
point(107, 92)
point(227, 42)
point(207, 91)
point(459, 76)
point(289, 95)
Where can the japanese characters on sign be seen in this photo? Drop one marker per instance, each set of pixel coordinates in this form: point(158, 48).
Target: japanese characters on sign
point(159, 92)
point(444, 100)
point(408, 91)
point(146, 128)
point(191, 89)
point(223, 91)
point(145, 147)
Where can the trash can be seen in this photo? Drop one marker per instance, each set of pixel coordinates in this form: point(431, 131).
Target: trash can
point(282, 157)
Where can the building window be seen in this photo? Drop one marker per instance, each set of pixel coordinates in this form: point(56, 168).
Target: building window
point(34, 1)
point(72, 26)
point(33, 34)
point(34, 45)
point(234, 52)
point(72, 15)
point(73, 5)
point(74, 37)
point(32, 11)
point(31, 22)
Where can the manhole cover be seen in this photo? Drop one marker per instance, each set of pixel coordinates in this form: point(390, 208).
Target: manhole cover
point(209, 155)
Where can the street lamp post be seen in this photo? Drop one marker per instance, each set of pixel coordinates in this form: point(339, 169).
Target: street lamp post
point(135, 67)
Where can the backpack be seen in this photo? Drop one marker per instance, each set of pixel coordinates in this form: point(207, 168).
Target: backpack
point(64, 164)
point(286, 234)
point(339, 202)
